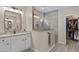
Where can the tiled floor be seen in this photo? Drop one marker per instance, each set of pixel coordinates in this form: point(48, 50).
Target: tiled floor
point(29, 50)
point(72, 46)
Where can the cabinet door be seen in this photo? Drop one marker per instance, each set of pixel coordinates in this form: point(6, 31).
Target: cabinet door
point(4, 44)
point(18, 43)
point(28, 40)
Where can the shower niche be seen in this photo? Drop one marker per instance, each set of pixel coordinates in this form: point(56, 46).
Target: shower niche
point(12, 20)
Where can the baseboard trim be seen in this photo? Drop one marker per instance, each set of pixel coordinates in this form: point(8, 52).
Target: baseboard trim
point(35, 50)
point(51, 48)
point(62, 43)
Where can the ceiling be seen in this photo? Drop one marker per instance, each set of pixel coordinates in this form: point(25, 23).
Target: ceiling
point(45, 9)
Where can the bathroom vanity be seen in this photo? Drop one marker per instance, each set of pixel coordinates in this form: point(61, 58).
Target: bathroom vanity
point(15, 42)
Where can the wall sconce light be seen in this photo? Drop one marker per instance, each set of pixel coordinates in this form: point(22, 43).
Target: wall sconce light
point(13, 10)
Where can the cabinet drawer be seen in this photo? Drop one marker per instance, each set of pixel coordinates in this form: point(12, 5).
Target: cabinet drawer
point(5, 45)
point(18, 43)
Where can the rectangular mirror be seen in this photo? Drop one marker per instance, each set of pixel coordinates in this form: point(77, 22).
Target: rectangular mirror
point(12, 20)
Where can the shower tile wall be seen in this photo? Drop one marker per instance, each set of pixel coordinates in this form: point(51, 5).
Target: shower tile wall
point(52, 18)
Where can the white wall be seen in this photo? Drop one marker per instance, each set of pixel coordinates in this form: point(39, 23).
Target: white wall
point(62, 13)
point(1, 20)
point(29, 18)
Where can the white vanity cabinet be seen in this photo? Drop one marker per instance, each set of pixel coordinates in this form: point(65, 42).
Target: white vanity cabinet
point(28, 40)
point(18, 43)
point(5, 44)
point(15, 42)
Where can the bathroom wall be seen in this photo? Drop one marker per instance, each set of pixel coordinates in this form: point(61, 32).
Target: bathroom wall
point(62, 13)
point(29, 18)
point(1, 20)
point(26, 18)
point(52, 19)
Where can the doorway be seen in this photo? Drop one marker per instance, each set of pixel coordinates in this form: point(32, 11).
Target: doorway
point(72, 28)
